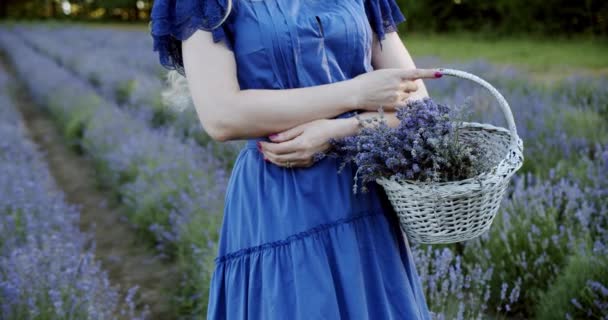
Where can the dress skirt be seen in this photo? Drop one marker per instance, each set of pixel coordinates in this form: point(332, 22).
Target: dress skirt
point(297, 244)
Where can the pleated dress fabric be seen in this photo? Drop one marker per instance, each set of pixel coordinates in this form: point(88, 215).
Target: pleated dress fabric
point(296, 243)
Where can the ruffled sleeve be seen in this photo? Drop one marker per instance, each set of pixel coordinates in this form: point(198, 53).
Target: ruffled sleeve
point(172, 21)
point(383, 16)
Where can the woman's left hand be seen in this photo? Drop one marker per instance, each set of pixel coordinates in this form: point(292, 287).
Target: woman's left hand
point(297, 146)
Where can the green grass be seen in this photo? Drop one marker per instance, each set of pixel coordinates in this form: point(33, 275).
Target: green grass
point(545, 58)
point(542, 56)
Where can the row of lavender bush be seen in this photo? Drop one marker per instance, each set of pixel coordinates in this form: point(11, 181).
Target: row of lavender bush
point(552, 222)
point(46, 269)
point(545, 257)
point(556, 122)
point(172, 188)
point(127, 75)
point(545, 116)
point(134, 82)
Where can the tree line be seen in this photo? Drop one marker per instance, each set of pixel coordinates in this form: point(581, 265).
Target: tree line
point(548, 17)
point(126, 10)
point(495, 16)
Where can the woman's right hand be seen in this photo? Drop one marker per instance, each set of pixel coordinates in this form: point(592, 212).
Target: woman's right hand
point(389, 88)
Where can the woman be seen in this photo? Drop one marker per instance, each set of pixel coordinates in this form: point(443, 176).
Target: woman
point(288, 75)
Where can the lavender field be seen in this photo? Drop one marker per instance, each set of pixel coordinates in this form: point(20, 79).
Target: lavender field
point(545, 257)
point(47, 270)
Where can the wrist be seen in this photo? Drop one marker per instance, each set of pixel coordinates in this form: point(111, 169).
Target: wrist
point(346, 127)
point(353, 94)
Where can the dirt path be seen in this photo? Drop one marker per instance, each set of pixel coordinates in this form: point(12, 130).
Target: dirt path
point(127, 260)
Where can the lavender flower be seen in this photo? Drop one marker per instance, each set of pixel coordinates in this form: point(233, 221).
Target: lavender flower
point(163, 180)
point(560, 209)
point(424, 147)
point(46, 269)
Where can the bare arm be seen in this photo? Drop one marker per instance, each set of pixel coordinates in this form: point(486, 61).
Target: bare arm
point(229, 113)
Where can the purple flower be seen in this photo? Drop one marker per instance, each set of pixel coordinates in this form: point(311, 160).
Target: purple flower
point(47, 270)
point(425, 147)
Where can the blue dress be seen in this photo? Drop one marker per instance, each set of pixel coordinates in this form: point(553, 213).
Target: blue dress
point(297, 243)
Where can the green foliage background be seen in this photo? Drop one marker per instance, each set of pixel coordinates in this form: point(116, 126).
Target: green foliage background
point(504, 17)
point(508, 16)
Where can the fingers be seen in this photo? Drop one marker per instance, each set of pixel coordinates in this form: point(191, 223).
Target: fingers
point(403, 102)
point(414, 74)
point(403, 93)
point(281, 159)
point(293, 153)
point(287, 134)
point(408, 86)
point(280, 147)
point(281, 153)
point(290, 160)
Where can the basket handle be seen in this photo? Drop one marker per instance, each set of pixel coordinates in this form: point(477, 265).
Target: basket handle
point(504, 106)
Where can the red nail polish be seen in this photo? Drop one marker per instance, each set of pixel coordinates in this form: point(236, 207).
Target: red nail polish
point(438, 74)
point(272, 136)
point(259, 146)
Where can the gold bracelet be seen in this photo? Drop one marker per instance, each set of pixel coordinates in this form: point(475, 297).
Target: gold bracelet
point(371, 121)
point(360, 125)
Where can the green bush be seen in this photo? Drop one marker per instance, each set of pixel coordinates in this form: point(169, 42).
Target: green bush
point(124, 90)
point(574, 287)
point(528, 244)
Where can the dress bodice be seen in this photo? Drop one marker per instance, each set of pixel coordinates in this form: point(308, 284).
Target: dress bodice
point(281, 44)
point(298, 43)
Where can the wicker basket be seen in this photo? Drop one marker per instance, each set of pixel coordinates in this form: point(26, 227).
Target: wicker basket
point(456, 211)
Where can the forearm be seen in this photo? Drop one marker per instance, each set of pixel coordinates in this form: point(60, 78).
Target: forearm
point(352, 126)
point(228, 113)
point(261, 112)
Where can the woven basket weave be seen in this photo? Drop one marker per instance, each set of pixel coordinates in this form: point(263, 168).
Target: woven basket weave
point(456, 211)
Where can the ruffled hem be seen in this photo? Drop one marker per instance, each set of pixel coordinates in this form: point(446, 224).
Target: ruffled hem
point(295, 237)
point(354, 268)
point(173, 21)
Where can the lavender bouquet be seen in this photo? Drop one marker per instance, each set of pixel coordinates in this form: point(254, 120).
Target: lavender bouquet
point(424, 147)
